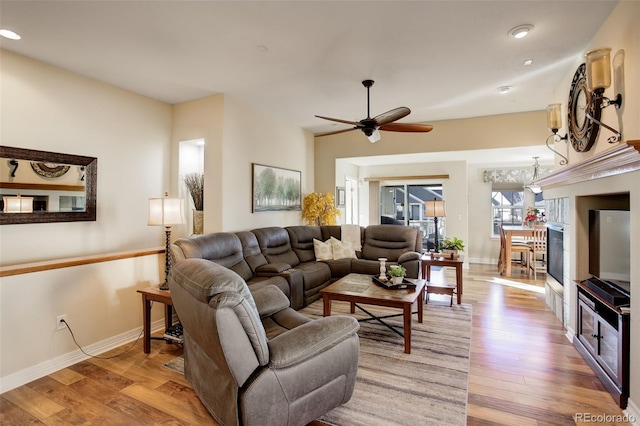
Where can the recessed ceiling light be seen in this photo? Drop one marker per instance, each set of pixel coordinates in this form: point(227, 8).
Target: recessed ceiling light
point(520, 31)
point(9, 34)
point(504, 89)
point(527, 62)
point(262, 48)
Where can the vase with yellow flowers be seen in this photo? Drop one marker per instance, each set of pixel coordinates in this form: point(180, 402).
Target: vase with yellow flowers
point(319, 209)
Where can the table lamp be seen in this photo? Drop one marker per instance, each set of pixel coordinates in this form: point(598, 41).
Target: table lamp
point(435, 208)
point(18, 204)
point(166, 212)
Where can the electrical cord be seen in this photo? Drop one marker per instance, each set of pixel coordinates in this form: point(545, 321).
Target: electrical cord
point(98, 356)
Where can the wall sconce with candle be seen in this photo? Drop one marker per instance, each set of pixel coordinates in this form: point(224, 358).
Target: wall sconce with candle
point(586, 101)
point(598, 80)
point(554, 122)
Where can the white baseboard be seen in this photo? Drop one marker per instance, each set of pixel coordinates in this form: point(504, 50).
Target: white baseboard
point(30, 374)
point(632, 412)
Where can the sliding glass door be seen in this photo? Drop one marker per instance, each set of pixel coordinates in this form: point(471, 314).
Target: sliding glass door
point(403, 204)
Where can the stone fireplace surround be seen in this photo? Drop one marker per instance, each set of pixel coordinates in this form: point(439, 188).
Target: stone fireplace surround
point(607, 180)
point(572, 212)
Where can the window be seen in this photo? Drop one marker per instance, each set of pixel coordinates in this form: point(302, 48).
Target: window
point(404, 205)
point(508, 208)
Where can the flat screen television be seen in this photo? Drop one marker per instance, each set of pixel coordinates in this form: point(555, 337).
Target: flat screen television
point(610, 247)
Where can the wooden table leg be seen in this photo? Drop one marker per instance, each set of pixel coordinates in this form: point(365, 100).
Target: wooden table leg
point(407, 327)
point(146, 323)
point(326, 305)
point(420, 303)
point(459, 282)
point(428, 267)
point(168, 316)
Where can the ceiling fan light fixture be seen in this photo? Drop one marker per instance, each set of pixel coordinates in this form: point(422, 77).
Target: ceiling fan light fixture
point(373, 136)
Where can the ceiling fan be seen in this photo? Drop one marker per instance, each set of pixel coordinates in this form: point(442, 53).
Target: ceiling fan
point(385, 121)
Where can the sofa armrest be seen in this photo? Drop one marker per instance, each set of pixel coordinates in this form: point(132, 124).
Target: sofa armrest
point(410, 255)
point(294, 278)
point(310, 339)
point(269, 300)
point(271, 269)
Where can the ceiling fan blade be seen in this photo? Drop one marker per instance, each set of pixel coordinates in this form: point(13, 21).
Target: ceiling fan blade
point(336, 132)
point(337, 120)
point(392, 115)
point(406, 127)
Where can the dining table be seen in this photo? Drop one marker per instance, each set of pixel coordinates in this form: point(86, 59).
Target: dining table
point(511, 231)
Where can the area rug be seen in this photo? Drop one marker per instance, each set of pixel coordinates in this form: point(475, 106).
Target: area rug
point(427, 387)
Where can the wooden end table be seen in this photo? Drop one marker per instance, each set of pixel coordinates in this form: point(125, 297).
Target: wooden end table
point(429, 260)
point(359, 288)
point(149, 295)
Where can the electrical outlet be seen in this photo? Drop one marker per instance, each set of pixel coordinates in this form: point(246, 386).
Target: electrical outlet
point(60, 325)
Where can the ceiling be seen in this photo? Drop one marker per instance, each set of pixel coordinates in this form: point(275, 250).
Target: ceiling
point(295, 59)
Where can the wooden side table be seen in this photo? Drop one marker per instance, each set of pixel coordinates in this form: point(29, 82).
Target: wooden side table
point(429, 260)
point(150, 294)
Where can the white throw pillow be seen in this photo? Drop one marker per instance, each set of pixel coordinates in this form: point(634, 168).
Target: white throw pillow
point(322, 250)
point(342, 249)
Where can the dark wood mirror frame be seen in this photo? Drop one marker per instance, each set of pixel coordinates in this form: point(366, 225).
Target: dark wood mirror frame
point(91, 176)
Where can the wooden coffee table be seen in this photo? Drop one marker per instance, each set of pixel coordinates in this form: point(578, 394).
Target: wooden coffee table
point(359, 288)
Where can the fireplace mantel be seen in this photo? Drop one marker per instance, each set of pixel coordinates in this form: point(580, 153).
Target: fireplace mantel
point(623, 158)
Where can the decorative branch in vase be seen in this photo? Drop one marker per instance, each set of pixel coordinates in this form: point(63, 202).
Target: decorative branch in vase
point(195, 185)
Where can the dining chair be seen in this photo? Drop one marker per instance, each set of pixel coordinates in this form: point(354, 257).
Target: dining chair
point(520, 247)
point(538, 250)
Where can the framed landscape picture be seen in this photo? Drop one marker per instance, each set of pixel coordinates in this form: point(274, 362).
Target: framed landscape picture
point(275, 189)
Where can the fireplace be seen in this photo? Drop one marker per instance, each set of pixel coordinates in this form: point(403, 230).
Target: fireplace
point(555, 252)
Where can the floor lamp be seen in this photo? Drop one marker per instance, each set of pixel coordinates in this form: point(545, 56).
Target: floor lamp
point(435, 209)
point(166, 212)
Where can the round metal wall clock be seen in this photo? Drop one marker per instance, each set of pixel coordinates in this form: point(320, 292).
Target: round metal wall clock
point(583, 132)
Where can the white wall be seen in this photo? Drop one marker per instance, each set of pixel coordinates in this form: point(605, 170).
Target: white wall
point(47, 108)
point(252, 136)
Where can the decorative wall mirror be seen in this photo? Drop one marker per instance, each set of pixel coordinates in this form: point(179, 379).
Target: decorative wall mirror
point(42, 187)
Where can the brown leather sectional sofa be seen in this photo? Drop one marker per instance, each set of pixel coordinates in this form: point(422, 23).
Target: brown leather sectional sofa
point(285, 257)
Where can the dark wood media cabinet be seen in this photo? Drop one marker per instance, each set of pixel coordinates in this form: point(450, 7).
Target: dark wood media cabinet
point(602, 338)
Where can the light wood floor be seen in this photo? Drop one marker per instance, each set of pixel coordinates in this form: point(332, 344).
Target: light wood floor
point(523, 371)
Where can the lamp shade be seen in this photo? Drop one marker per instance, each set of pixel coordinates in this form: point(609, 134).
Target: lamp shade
point(434, 208)
point(599, 69)
point(165, 211)
point(554, 117)
point(18, 204)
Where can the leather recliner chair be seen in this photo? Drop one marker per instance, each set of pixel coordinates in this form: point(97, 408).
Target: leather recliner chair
point(253, 360)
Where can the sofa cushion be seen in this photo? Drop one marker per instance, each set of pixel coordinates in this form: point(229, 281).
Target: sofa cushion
point(302, 241)
point(323, 249)
point(223, 248)
point(388, 241)
point(251, 250)
point(275, 245)
point(204, 279)
point(342, 249)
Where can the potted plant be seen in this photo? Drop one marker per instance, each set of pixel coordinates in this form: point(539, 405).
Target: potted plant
point(452, 245)
point(195, 186)
point(397, 272)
